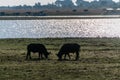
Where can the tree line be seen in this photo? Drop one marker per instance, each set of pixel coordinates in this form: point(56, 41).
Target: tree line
point(61, 7)
point(69, 4)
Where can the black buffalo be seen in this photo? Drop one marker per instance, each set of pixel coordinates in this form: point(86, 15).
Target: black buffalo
point(69, 48)
point(39, 48)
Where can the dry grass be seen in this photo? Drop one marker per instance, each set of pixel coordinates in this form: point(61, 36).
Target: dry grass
point(99, 60)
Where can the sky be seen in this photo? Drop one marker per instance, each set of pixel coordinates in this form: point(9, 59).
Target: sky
point(29, 2)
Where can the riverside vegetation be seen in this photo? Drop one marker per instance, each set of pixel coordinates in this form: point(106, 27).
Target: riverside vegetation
point(99, 60)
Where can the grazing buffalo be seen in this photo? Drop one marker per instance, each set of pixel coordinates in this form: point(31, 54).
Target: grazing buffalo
point(69, 48)
point(39, 48)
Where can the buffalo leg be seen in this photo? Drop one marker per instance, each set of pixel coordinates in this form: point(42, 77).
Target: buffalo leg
point(39, 56)
point(69, 56)
point(28, 55)
point(65, 57)
point(77, 56)
point(42, 56)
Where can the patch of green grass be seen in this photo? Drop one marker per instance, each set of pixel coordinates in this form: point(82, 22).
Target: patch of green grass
point(99, 60)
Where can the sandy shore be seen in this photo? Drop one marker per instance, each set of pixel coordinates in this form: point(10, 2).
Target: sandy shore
point(58, 17)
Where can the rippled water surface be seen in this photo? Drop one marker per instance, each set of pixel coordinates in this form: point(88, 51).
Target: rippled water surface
point(60, 28)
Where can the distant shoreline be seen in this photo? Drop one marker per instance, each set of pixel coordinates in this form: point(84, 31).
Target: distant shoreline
point(59, 17)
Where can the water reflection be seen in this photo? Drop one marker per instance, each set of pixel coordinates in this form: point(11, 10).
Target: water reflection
point(60, 28)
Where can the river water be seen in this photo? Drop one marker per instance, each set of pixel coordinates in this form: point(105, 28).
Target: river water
point(60, 28)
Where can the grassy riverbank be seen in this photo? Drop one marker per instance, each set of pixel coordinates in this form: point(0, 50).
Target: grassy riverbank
point(99, 60)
